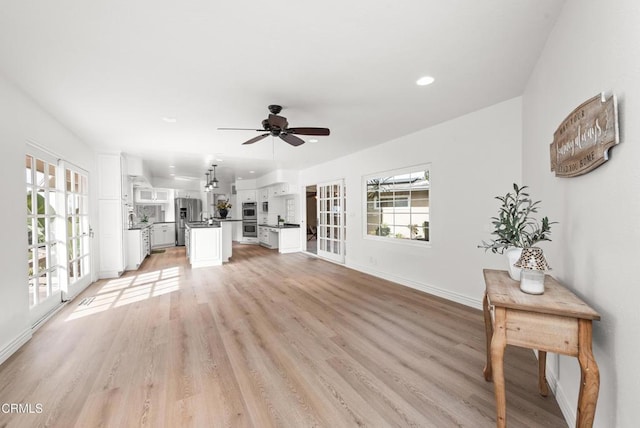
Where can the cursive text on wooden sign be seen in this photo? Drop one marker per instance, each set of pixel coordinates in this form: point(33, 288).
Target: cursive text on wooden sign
point(582, 141)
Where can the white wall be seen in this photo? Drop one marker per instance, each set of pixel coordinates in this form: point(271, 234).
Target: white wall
point(473, 158)
point(594, 47)
point(21, 121)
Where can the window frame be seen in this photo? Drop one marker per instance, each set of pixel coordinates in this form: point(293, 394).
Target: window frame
point(407, 209)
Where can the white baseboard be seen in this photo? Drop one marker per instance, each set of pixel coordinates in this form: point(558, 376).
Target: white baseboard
point(566, 407)
point(107, 274)
point(14, 345)
point(427, 288)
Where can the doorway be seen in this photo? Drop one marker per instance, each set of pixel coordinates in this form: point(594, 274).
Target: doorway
point(312, 219)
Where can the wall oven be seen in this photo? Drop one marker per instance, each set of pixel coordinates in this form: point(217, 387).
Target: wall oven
point(249, 211)
point(249, 229)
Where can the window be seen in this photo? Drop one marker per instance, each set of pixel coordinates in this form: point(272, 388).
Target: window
point(397, 204)
point(290, 216)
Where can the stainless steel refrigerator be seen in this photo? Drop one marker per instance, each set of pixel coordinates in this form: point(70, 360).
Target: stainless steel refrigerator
point(187, 210)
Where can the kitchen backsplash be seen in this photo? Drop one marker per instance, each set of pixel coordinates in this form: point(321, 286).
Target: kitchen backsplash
point(154, 213)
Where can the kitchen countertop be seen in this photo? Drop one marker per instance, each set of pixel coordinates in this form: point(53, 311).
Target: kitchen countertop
point(140, 226)
point(203, 225)
point(286, 226)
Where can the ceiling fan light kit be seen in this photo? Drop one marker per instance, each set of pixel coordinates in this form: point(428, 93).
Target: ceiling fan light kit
point(277, 126)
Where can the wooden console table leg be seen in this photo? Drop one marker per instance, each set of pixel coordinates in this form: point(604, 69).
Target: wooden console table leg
point(542, 370)
point(590, 376)
point(488, 329)
point(498, 344)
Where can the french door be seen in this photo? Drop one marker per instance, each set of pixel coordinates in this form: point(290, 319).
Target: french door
point(78, 234)
point(58, 232)
point(331, 220)
point(44, 238)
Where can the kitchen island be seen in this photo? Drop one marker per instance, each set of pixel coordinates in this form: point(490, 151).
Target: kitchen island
point(208, 245)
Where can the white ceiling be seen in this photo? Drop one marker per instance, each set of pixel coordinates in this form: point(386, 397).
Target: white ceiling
point(110, 70)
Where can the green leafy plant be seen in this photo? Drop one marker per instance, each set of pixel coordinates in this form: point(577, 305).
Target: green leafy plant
point(514, 226)
point(223, 205)
point(383, 230)
point(413, 230)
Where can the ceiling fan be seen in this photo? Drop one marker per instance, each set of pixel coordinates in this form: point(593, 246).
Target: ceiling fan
point(278, 126)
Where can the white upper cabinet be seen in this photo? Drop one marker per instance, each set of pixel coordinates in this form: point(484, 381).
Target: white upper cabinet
point(162, 195)
point(263, 194)
point(282, 189)
point(246, 196)
point(152, 196)
point(109, 173)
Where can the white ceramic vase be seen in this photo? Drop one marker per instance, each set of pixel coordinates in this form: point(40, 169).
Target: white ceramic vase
point(513, 254)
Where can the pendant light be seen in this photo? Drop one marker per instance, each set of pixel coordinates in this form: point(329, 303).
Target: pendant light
point(206, 183)
point(214, 180)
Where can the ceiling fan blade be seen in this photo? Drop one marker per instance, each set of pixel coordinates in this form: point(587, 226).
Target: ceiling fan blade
point(256, 139)
point(292, 139)
point(277, 121)
point(309, 131)
point(240, 129)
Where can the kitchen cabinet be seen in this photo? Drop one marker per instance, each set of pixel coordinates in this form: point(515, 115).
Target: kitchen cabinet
point(112, 216)
point(289, 240)
point(246, 196)
point(285, 239)
point(152, 196)
point(264, 236)
point(263, 194)
point(204, 246)
point(164, 235)
point(282, 189)
point(138, 246)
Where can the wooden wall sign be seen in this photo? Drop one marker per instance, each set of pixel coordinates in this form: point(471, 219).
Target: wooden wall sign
point(582, 141)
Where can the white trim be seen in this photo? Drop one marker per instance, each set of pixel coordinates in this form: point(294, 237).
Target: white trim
point(427, 288)
point(48, 316)
point(15, 344)
point(109, 274)
point(567, 408)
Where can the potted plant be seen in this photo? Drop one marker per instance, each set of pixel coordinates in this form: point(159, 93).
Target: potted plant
point(515, 228)
point(223, 208)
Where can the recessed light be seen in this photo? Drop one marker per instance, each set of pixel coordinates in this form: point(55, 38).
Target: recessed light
point(219, 160)
point(313, 140)
point(170, 119)
point(252, 172)
point(172, 174)
point(172, 166)
point(425, 80)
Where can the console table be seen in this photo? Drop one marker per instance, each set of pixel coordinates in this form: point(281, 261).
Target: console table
point(556, 321)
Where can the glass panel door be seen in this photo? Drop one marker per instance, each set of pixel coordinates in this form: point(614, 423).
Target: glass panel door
point(331, 220)
point(43, 240)
point(78, 231)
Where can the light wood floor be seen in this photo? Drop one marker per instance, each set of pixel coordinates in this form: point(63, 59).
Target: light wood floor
point(266, 340)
